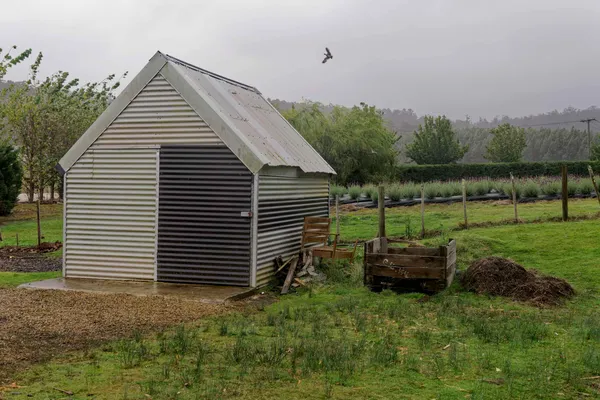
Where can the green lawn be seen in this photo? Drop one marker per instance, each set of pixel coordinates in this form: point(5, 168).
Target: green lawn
point(13, 279)
point(341, 341)
point(401, 221)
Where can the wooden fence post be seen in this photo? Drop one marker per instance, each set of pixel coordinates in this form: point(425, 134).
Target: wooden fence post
point(337, 214)
point(591, 171)
point(514, 196)
point(39, 228)
point(422, 210)
point(565, 193)
point(464, 196)
point(381, 206)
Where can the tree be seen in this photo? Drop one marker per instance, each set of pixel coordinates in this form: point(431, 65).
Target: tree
point(435, 142)
point(507, 144)
point(44, 118)
point(355, 142)
point(596, 150)
point(10, 178)
point(7, 60)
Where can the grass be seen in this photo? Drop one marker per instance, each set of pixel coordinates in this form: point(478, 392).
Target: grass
point(14, 279)
point(341, 341)
point(22, 222)
point(362, 224)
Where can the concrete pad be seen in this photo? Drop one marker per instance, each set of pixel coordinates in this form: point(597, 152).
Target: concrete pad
point(202, 293)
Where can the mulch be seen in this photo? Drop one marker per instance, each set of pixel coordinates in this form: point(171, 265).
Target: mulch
point(497, 276)
point(30, 259)
point(36, 325)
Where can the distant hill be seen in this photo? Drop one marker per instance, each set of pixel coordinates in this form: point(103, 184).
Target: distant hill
point(550, 136)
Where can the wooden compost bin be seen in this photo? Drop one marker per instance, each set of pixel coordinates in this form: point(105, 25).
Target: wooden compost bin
point(431, 269)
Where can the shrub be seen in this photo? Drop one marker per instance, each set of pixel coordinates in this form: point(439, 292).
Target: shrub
point(336, 190)
point(448, 172)
point(572, 187)
point(447, 189)
point(585, 187)
point(470, 189)
point(481, 188)
point(531, 189)
point(409, 191)
point(394, 192)
point(370, 191)
point(432, 190)
point(11, 176)
point(507, 190)
point(354, 192)
point(551, 188)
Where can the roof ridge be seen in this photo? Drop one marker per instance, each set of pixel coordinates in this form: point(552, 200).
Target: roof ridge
point(211, 74)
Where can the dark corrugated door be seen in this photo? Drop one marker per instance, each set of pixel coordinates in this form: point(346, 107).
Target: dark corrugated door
point(202, 235)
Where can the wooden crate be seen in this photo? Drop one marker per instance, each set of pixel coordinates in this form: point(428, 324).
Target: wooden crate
point(431, 269)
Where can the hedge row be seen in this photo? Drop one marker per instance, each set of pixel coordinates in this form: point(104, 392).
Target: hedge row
point(447, 172)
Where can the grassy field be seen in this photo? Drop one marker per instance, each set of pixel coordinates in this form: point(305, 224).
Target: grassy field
point(341, 341)
point(406, 221)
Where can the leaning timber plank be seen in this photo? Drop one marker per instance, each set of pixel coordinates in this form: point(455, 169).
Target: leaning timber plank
point(450, 273)
point(406, 272)
point(384, 245)
point(397, 260)
point(451, 258)
point(416, 251)
point(290, 276)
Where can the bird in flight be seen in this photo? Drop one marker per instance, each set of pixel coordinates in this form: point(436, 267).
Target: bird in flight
point(327, 55)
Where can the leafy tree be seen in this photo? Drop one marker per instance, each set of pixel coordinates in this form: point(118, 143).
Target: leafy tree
point(355, 142)
point(507, 144)
point(45, 117)
point(7, 60)
point(435, 142)
point(11, 175)
point(596, 150)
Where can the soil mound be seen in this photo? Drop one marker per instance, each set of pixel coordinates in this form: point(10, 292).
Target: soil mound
point(499, 276)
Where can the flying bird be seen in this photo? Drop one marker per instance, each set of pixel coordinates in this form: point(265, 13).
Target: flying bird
point(327, 55)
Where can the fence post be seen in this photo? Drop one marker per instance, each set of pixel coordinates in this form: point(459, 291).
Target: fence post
point(337, 214)
point(422, 210)
point(381, 206)
point(565, 193)
point(591, 171)
point(39, 228)
point(464, 196)
point(514, 196)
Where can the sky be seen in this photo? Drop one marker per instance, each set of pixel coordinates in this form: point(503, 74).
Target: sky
point(481, 58)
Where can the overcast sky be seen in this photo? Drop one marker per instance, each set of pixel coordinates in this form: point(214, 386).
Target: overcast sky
point(454, 57)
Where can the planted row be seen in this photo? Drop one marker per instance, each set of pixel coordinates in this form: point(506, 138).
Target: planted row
point(529, 188)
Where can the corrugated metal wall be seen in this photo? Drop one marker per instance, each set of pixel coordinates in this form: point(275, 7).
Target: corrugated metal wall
point(111, 194)
point(110, 215)
point(283, 202)
point(202, 235)
point(158, 115)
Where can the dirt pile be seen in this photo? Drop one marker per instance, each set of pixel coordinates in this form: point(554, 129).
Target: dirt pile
point(499, 276)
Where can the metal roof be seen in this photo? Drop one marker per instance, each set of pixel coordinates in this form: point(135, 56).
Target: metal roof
point(238, 113)
point(255, 118)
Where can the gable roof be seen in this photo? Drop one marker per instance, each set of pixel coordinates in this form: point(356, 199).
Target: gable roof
point(242, 118)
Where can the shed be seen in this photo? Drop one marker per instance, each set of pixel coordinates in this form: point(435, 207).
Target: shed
point(188, 177)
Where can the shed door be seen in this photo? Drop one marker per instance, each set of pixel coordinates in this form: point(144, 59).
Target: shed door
point(203, 234)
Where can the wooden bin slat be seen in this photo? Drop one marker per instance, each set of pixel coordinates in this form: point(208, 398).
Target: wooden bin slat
point(406, 272)
point(398, 260)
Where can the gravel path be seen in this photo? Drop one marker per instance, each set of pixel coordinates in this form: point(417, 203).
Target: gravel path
point(36, 325)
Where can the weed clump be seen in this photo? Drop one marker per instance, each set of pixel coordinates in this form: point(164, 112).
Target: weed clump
point(499, 276)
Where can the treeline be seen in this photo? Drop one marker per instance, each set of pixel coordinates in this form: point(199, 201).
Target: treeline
point(43, 118)
point(556, 142)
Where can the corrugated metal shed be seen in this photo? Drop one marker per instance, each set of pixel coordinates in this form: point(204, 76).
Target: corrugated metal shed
point(237, 113)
